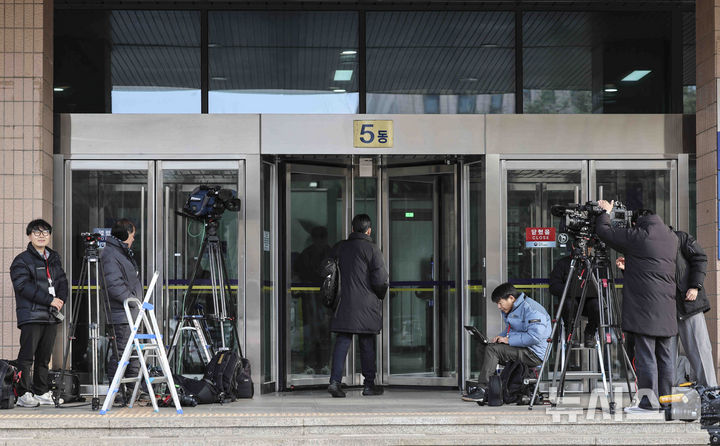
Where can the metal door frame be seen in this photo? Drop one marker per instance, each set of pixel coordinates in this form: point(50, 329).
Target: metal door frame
point(161, 222)
point(340, 172)
point(429, 170)
point(147, 233)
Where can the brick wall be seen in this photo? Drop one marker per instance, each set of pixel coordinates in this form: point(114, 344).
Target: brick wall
point(26, 145)
point(707, 25)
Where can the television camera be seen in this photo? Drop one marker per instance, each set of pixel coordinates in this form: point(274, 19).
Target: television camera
point(209, 202)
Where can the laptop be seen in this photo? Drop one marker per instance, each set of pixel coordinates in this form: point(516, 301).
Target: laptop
point(475, 332)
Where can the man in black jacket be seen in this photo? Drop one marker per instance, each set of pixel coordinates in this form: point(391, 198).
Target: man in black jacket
point(122, 281)
point(41, 288)
point(364, 282)
point(648, 304)
point(692, 302)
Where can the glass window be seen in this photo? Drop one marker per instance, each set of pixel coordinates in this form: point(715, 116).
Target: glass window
point(440, 62)
point(268, 275)
point(583, 62)
point(283, 62)
point(155, 61)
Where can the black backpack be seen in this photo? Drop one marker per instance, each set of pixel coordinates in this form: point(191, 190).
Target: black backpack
point(330, 288)
point(513, 378)
point(9, 377)
point(229, 373)
point(494, 391)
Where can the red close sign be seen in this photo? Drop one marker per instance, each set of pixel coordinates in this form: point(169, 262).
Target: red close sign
point(539, 234)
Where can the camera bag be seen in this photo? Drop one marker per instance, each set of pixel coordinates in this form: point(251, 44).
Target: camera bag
point(201, 390)
point(230, 373)
point(9, 377)
point(67, 382)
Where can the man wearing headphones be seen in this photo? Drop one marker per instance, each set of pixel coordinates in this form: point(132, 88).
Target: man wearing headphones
point(122, 281)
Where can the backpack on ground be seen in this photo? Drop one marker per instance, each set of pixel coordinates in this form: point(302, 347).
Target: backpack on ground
point(495, 391)
point(330, 287)
point(9, 378)
point(229, 373)
point(201, 390)
point(513, 378)
point(68, 382)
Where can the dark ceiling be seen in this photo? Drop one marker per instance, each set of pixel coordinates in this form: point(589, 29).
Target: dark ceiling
point(407, 52)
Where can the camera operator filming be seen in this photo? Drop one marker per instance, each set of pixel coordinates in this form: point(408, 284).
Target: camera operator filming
point(648, 306)
point(41, 288)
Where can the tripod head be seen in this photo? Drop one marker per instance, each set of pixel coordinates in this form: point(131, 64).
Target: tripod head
point(91, 241)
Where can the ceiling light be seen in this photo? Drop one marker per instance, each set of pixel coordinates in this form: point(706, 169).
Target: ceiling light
point(611, 90)
point(218, 78)
point(313, 184)
point(58, 89)
point(636, 75)
point(343, 75)
point(338, 90)
point(348, 52)
point(468, 79)
point(489, 45)
point(214, 45)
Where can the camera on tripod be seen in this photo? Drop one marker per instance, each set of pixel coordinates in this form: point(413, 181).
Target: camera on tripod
point(209, 202)
point(580, 218)
point(91, 239)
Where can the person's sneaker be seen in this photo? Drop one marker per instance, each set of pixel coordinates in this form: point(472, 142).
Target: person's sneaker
point(372, 390)
point(27, 400)
point(478, 396)
point(46, 399)
point(335, 389)
point(639, 410)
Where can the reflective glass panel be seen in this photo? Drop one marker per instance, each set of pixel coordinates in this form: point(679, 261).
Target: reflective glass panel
point(596, 62)
point(99, 198)
point(423, 311)
point(316, 224)
point(155, 61)
point(187, 257)
point(476, 278)
point(440, 62)
point(283, 62)
point(268, 274)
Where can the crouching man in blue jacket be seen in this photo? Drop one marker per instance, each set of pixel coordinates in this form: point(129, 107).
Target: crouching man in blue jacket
point(527, 328)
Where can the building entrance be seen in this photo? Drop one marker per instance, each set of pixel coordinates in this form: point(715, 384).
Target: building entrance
point(414, 214)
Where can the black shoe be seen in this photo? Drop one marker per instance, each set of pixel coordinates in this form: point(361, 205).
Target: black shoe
point(120, 400)
point(335, 389)
point(590, 342)
point(372, 390)
point(478, 396)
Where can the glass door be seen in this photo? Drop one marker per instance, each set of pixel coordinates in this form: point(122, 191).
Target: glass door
point(317, 217)
point(181, 239)
point(99, 193)
point(420, 328)
point(531, 189)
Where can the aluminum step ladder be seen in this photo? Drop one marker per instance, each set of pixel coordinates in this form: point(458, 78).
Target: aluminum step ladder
point(142, 346)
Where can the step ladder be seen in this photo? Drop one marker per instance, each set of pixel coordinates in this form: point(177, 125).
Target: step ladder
point(590, 375)
point(142, 346)
point(195, 328)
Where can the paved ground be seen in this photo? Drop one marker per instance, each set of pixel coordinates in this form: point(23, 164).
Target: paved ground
point(401, 416)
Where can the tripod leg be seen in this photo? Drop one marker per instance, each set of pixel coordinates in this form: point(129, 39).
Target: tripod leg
point(576, 323)
point(568, 281)
point(226, 285)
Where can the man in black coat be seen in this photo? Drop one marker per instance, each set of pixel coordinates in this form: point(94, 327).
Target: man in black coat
point(648, 304)
point(41, 289)
point(122, 281)
point(364, 280)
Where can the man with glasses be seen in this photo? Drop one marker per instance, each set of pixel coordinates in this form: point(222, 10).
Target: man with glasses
point(41, 288)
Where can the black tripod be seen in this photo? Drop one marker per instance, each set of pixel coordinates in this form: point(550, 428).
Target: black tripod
point(91, 267)
point(220, 289)
point(596, 272)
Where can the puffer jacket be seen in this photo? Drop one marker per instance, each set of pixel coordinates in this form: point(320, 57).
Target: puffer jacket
point(121, 278)
point(29, 278)
point(364, 283)
point(650, 248)
point(527, 325)
point(690, 273)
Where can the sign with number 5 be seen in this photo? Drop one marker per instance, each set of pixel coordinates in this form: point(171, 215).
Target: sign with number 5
point(373, 134)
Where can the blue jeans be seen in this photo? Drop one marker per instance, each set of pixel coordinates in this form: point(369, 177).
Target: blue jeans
point(367, 356)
